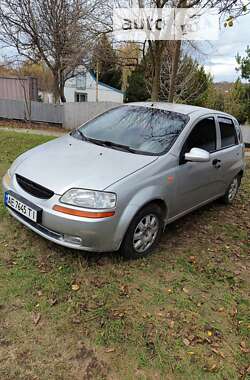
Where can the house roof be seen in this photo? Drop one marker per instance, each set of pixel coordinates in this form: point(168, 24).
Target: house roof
point(105, 85)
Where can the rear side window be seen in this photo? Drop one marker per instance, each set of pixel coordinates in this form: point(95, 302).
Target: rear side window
point(228, 132)
point(239, 133)
point(203, 136)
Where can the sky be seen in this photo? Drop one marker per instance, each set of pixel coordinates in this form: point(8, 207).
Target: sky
point(219, 56)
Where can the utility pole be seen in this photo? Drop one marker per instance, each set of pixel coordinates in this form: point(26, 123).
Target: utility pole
point(97, 81)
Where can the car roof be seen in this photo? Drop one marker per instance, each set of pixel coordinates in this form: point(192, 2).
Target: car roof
point(180, 108)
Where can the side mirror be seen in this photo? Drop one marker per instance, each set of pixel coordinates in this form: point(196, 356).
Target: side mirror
point(197, 155)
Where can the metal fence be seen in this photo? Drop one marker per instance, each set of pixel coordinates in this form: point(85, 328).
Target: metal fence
point(70, 115)
point(34, 111)
point(76, 114)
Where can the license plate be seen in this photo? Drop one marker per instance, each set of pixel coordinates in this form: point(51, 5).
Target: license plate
point(22, 206)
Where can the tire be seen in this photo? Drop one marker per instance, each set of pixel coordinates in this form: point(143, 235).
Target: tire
point(144, 233)
point(232, 191)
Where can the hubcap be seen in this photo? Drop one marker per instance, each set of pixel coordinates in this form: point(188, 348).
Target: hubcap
point(233, 190)
point(146, 233)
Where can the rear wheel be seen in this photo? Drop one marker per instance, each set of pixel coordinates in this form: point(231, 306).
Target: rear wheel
point(144, 233)
point(232, 190)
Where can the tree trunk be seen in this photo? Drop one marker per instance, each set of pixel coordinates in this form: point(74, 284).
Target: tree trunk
point(155, 94)
point(56, 90)
point(61, 91)
point(176, 59)
point(61, 88)
point(156, 77)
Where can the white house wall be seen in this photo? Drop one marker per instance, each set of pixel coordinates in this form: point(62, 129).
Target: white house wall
point(106, 94)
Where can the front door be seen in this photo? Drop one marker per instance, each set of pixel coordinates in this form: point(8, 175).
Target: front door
point(198, 182)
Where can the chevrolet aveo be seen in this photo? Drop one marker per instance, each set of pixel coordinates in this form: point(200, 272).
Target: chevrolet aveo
point(117, 181)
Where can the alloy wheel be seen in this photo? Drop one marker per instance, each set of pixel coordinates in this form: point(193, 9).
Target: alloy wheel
point(145, 233)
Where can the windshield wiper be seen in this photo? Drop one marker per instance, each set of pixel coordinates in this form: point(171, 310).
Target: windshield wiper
point(111, 144)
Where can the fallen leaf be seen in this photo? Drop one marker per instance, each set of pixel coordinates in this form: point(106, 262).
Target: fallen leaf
point(234, 311)
point(237, 272)
point(75, 287)
point(53, 301)
point(108, 350)
point(213, 367)
point(171, 324)
point(209, 333)
point(76, 321)
point(160, 314)
point(217, 352)
point(124, 290)
point(243, 348)
point(186, 342)
point(36, 318)
point(192, 259)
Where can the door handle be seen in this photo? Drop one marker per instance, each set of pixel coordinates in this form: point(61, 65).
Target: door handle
point(216, 163)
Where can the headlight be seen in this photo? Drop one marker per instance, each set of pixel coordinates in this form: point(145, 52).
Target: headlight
point(89, 199)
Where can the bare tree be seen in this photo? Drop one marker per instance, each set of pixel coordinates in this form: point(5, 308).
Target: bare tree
point(59, 33)
point(191, 79)
point(156, 49)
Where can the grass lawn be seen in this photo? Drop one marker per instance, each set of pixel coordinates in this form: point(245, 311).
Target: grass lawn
point(181, 314)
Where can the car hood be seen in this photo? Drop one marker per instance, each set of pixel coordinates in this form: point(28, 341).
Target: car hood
point(67, 162)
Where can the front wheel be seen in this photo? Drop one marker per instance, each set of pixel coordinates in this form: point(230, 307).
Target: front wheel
point(144, 233)
point(232, 190)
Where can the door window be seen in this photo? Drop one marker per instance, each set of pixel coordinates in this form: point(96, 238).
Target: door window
point(228, 132)
point(203, 136)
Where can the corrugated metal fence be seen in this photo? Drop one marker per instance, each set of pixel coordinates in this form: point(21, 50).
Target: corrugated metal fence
point(70, 115)
point(35, 111)
point(76, 114)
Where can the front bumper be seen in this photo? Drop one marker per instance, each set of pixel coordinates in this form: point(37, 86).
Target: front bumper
point(94, 235)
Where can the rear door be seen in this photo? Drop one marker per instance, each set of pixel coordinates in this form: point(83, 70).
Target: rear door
point(230, 153)
point(199, 182)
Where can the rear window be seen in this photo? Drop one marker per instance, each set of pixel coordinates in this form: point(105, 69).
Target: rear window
point(228, 132)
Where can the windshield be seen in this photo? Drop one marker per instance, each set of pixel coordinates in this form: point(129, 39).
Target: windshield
point(140, 129)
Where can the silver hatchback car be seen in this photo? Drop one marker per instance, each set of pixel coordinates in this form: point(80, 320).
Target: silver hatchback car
point(117, 181)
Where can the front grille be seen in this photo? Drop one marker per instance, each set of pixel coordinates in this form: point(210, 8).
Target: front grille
point(33, 188)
